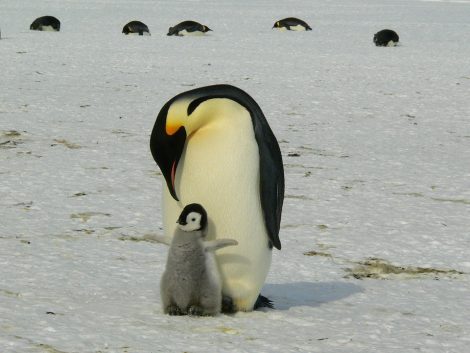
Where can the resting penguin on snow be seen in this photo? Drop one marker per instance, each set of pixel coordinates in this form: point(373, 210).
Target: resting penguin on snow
point(136, 27)
point(214, 146)
point(188, 28)
point(292, 24)
point(191, 282)
point(45, 23)
point(386, 38)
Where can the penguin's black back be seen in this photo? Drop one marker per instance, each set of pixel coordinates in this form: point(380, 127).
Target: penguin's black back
point(44, 21)
point(189, 26)
point(135, 27)
point(292, 21)
point(383, 37)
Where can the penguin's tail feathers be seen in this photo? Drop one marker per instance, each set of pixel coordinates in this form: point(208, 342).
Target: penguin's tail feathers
point(263, 302)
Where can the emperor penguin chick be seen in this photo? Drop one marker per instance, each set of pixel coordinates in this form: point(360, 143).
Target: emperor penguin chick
point(191, 283)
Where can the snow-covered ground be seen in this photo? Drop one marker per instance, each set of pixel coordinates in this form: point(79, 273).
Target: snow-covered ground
point(376, 147)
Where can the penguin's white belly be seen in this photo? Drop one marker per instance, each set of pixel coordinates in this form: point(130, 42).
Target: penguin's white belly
point(137, 34)
point(297, 28)
point(220, 170)
point(186, 33)
point(48, 29)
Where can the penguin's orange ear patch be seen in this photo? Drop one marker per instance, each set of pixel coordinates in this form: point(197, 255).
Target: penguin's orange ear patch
point(176, 116)
point(172, 128)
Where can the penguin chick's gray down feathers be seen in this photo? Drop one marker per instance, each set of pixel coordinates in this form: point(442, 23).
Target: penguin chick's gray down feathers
point(191, 282)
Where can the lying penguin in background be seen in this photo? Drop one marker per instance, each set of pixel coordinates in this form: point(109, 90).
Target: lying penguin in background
point(191, 282)
point(292, 24)
point(45, 23)
point(136, 27)
point(188, 28)
point(386, 38)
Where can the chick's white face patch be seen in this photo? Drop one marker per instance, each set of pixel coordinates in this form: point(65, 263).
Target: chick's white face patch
point(193, 222)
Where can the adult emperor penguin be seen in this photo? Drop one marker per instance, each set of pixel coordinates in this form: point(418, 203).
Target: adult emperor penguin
point(215, 147)
point(292, 24)
point(136, 27)
point(188, 28)
point(386, 38)
point(45, 23)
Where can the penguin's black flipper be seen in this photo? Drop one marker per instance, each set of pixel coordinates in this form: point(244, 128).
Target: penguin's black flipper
point(263, 302)
point(271, 175)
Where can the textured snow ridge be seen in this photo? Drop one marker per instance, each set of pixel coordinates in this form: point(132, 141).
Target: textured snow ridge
point(376, 148)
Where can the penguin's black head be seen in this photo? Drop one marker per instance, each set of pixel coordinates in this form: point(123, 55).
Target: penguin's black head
point(177, 120)
point(192, 218)
point(167, 145)
point(182, 116)
point(206, 29)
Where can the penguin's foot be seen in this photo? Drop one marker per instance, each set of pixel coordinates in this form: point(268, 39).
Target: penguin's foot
point(174, 310)
point(195, 310)
point(263, 302)
point(227, 305)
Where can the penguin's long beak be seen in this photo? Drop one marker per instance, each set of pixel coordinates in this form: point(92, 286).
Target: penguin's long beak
point(166, 151)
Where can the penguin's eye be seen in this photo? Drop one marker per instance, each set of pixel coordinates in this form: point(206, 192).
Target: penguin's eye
point(193, 219)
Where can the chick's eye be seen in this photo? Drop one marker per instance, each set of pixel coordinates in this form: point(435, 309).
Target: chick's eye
point(193, 219)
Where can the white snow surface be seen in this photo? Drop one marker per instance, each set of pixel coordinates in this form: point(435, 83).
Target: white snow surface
point(376, 148)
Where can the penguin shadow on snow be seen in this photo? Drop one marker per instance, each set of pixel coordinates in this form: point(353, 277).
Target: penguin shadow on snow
point(290, 295)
